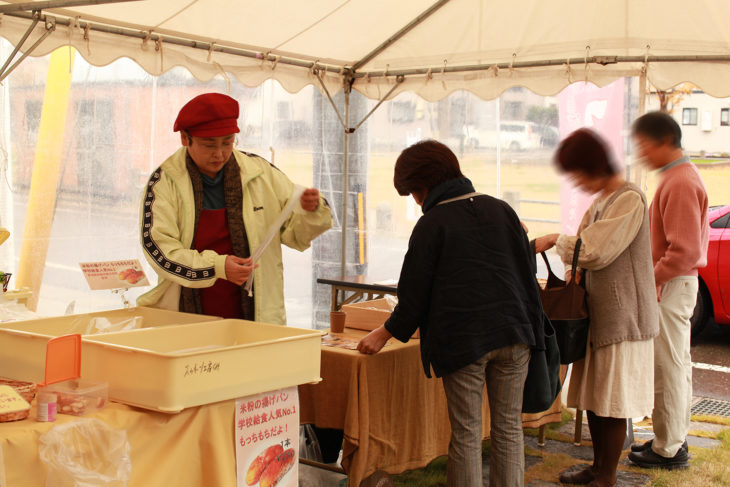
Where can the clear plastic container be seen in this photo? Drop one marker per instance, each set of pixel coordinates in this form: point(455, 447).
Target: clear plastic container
point(78, 396)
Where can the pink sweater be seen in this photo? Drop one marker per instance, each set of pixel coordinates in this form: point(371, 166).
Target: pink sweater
point(679, 226)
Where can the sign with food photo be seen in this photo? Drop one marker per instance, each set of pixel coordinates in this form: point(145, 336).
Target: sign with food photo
point(267, 439)
point(115, 274)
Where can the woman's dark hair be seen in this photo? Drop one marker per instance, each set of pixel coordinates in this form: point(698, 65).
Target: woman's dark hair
point(658, 126)
point(585, 151)
point(424, 165)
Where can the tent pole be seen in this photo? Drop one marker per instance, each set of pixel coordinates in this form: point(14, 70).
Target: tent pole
point(345, 177)
point(640, 172)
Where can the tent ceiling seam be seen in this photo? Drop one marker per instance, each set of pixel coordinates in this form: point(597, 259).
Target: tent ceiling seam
point(178, 12)
point(309, 27)
point(398, 35)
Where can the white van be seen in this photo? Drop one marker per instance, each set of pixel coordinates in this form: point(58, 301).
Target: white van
point(513, 136)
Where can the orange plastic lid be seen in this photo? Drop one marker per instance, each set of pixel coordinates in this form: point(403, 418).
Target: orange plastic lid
point(63, 359)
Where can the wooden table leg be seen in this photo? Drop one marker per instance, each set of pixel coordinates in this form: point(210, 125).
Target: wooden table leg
point(578, 435)
point(541, 435)
point(335, 305)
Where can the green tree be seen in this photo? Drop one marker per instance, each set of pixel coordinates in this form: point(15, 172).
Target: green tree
point(543, 115)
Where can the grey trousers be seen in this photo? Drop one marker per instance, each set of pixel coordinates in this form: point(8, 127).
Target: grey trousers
point(504, 371)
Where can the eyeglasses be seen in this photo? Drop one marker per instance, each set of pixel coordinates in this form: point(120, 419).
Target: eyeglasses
point(213, 147)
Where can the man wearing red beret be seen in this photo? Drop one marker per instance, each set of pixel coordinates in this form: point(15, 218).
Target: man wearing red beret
point(208, 207)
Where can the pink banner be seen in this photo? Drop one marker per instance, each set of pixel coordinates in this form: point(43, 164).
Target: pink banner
point(602, 109)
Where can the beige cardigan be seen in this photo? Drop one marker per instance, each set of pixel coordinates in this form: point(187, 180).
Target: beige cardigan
point(616, 254)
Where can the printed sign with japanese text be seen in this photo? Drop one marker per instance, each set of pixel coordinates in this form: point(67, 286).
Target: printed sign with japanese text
point(267, 439)
point(115, 274)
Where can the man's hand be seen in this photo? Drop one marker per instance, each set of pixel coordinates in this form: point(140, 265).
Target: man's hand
point(238, 269)
point(310, 199)
point(659, 292)
point(374, 341)
point(546, 242)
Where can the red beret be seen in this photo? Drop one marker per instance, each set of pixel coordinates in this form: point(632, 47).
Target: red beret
point(209, 115)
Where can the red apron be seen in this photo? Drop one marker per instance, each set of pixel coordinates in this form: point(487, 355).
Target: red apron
point(223, 298)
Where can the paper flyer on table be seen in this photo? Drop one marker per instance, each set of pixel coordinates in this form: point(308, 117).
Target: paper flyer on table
point(267, 439)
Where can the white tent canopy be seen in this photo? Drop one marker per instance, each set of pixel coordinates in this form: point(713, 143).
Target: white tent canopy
point(481, 46)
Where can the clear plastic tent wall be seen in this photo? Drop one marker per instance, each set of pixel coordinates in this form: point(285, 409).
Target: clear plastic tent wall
point(441, 59)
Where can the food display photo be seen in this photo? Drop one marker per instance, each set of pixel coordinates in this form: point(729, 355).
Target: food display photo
point(270, 466)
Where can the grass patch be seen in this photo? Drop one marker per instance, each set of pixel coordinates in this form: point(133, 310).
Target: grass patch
point(711, 419)
point(708, 161)
point(431, 475)
point(708, 468)
point(703, 434)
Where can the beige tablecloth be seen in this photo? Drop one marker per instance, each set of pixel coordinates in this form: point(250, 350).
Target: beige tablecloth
point(192, 448)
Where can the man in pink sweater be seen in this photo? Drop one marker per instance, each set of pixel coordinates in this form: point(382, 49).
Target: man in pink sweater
point(679, 237)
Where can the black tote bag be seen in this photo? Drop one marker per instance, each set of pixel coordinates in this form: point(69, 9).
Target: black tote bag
point(565, 305)
point(542, 384)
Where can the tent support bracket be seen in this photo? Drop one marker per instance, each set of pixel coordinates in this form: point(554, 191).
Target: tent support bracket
point(398, 81)
point(329, 97)
point(50, 27)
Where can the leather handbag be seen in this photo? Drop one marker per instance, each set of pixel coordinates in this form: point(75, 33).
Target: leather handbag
point(542, 384)
point(565, 305)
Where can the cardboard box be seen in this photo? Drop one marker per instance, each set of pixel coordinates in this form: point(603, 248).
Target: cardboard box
point(368, 315)
point(23, 343)
point(174, 367)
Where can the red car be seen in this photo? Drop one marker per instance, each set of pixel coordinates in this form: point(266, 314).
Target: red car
point(713, 297)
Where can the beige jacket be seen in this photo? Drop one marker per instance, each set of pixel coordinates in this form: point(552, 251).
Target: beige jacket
point(167, 219)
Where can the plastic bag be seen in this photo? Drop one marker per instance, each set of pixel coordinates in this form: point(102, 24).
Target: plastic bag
point(100, 324)
point(86, 453)
point(308, 444)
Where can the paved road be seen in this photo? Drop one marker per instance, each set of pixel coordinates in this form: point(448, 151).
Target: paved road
point(711, 359)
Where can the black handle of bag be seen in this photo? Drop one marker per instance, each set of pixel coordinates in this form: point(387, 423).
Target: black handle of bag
point(574, 268)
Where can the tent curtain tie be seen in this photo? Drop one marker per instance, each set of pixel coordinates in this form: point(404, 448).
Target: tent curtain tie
point(210, 51)
point(146, 40)
point(314, 70)
point(443, 72)
point(226, 78)
point(264, 57)
point(74, 24)
point(494, 69)
point(645, 67)
point(87, 38)
point(158, 47)
point(585, 65)
point(568, 71)
point(275, 62)
point(429, 75)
